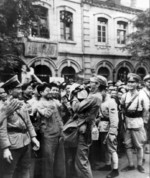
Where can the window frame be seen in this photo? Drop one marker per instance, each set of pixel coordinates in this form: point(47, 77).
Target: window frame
point(101, 25)
point(120, 30)
point(39, 23)
point(108, 31)
point(64, 28)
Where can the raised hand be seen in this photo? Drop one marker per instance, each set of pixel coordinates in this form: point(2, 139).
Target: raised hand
point(11, 106)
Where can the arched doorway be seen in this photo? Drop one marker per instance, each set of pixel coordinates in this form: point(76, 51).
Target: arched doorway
point(122, 74)
point(104, 72)
point(141, 72)
point(42, 72)
point(68, 73)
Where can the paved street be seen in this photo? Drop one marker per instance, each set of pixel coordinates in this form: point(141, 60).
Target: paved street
point(130, 174)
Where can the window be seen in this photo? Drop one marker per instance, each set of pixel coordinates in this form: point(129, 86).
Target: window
point(104, 72)
point(121, 32)
point(102, 30)
point(66, 25)
point(40, 27)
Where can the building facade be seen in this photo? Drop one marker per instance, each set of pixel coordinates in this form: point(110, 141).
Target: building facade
point(82, 36)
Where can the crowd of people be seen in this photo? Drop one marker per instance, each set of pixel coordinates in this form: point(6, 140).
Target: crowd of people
point(51, 130)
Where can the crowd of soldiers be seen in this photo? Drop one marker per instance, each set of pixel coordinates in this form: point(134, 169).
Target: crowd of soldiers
point(58, 131)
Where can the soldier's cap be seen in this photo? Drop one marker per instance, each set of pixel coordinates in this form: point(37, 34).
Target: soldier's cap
point(12, 83)
point(99, 79)
point(133, 76)
point(147, 77)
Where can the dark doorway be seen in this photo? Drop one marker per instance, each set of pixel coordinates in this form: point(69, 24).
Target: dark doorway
point(104, 72)
point(141, 72)
point(122, 74)
point(42, 72)
point(68, 73)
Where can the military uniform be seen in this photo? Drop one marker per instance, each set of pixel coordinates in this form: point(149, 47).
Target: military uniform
point(15, 134)
point(87, 110)
point(108, 127)
point(135, 135)
point(109, 113)
point(145, 92)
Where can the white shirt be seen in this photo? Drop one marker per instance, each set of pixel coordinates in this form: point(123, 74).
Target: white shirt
point(137, 104)
point(145, 94)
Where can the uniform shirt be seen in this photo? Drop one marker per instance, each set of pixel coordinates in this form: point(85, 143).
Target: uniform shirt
point(1, 108)
point(15, 140)
point(87, 109)
point(53, 125)
point(137, 104)
point(109, 110)
point(145, 93)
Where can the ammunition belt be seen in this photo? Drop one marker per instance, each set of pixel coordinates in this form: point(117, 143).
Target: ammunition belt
point(133, 114)
point(17, 130)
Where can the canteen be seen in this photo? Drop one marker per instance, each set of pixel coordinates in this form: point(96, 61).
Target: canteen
point(95, 133)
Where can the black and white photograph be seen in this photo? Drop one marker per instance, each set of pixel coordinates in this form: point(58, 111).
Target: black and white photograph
point(74, 88)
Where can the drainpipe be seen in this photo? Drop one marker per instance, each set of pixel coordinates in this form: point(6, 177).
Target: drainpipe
point(54, 16)
point(82, 38)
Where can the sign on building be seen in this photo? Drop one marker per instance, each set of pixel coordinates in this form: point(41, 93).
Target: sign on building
point(41, 49)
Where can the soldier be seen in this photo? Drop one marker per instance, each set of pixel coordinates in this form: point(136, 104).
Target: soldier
point(95, 83)
point(135, 135)
point(87, 108)
point(108, 126)
point(16, 133)
point(145, 92)
point(6, 110)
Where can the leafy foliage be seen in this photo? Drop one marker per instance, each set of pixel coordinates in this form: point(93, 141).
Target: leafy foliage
point(139, 41)
point(16, 18)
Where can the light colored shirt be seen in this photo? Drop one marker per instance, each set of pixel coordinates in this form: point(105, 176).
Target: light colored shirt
point(51, 126)
point(15, 140)
point(109, 110)
point(136, 105)
point(145, 94)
